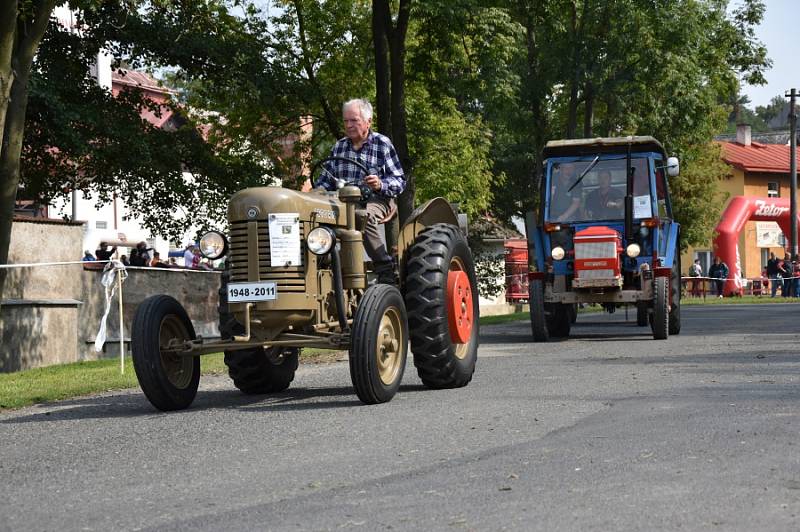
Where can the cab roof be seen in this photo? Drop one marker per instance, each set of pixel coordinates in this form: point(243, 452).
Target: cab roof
point(578, 147)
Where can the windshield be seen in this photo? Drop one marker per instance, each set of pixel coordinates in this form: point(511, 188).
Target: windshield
point(600, 195)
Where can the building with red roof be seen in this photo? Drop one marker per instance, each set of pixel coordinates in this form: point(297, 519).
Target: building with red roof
point(757, 170)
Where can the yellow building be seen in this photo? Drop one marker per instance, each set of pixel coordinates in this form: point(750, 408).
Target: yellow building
point(756, 170)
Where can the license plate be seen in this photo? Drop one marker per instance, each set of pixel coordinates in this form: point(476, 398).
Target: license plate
point(247, 292)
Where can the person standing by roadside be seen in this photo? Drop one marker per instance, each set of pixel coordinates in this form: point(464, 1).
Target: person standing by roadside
point(774, 273)
point(188, 256)
point(719, 274)
point(87, 256)
point(796, 276)
point(696, 271)
point(103, 253)
point(786, 274)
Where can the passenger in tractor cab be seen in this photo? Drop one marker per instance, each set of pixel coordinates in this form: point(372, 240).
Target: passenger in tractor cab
point(565, 204)
point(605, 202)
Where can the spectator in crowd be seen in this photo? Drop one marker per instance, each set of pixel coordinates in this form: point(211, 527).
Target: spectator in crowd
point(787, 273)
point(188, 256)
point(205, 264)
point(764, 282)
point(718, 274)
point(124, 260)
point(696, 271)
point(796, 276)
point(140, 256)
point(156, 261)
point(173, 263)
point(774, 273)
point(103, 253)
point(196, 257)
point(87, 256)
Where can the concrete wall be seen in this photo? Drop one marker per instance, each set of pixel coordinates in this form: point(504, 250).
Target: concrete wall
point(51, 314)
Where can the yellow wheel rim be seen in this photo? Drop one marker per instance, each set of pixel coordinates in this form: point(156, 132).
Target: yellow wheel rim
point(177, 369)
point(390, 345)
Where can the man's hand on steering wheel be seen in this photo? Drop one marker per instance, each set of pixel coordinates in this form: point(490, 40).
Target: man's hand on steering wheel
point(368, 185)
point(374, 182)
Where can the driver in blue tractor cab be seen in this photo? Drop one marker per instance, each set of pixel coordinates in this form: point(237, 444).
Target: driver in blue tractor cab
point(385, 180)
point(565, 194)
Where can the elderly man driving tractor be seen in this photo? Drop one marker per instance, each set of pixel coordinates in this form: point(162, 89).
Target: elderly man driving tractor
point(379, 176)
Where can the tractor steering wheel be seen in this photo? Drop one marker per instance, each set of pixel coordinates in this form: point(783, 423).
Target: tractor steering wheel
point(365, 189)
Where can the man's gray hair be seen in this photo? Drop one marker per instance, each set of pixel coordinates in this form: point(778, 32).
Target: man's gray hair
point(363, 105)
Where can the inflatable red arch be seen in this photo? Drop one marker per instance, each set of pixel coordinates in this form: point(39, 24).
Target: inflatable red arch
point(740, 210)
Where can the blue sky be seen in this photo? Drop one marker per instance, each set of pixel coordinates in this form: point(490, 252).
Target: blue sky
point(780, 37)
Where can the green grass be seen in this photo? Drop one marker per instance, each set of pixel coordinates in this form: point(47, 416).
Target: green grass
point(744, 300)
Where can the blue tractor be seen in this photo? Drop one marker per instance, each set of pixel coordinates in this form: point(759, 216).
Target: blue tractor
point(604, 234)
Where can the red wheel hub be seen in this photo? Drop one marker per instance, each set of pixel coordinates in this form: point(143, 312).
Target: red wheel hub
point(459, 306)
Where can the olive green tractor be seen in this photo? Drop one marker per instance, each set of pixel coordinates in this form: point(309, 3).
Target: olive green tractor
point(296, 277)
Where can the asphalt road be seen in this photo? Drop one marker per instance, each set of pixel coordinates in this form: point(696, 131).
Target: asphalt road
point(609, 430)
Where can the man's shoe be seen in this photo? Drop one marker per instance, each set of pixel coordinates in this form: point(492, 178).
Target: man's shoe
point(386, 273)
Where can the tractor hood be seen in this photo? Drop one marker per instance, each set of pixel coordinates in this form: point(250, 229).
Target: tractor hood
point(315, 206)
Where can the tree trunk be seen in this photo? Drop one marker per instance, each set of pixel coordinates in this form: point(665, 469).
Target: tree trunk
point(380, 17)
point(588, 110)
point(28, 36)
point(397, 47)
point(8, 19)
point(575, 75)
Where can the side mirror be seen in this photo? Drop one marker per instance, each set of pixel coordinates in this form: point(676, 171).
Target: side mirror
point(673, 167)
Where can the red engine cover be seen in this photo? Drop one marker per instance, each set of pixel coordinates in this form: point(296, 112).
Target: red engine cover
point(597, 251)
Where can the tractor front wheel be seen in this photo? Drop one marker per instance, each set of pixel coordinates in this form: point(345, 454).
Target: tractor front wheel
point(660, 323)
point(538, 318)
point(379, 344)
point(168, 379)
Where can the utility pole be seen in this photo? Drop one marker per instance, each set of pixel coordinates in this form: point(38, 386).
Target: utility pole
point(792, 95)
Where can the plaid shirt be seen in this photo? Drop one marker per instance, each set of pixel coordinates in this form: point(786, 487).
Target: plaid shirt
point(377, 154)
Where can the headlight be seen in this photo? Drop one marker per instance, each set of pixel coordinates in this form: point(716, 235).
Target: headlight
point(557, 253)
point(213, 245)
point(320, 240)
point(633, 250)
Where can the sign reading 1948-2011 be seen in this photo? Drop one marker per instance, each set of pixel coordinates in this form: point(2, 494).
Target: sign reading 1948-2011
point(249, 292)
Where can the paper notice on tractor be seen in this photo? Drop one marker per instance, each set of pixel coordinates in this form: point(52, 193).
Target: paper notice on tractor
point(284, 239)
point(641, 207)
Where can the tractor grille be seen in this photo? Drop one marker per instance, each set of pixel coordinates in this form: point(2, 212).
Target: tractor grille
point(596, 274)
point(289, 279)
point(595, 250)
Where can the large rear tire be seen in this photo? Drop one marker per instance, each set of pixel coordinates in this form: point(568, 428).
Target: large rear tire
point(538, 319)
point(660, 324)
point(169, 381)
point(442, 301)
point(261, 370)
point(379, 344)
point(641, 314)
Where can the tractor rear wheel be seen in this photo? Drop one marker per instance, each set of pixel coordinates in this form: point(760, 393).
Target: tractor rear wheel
point(379, 344)
point(258, 370)
point(660, 323)
point(442, 301)
point(167, 379)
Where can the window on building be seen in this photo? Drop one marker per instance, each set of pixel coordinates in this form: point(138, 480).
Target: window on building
point(101, 224)
point(773, 189)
